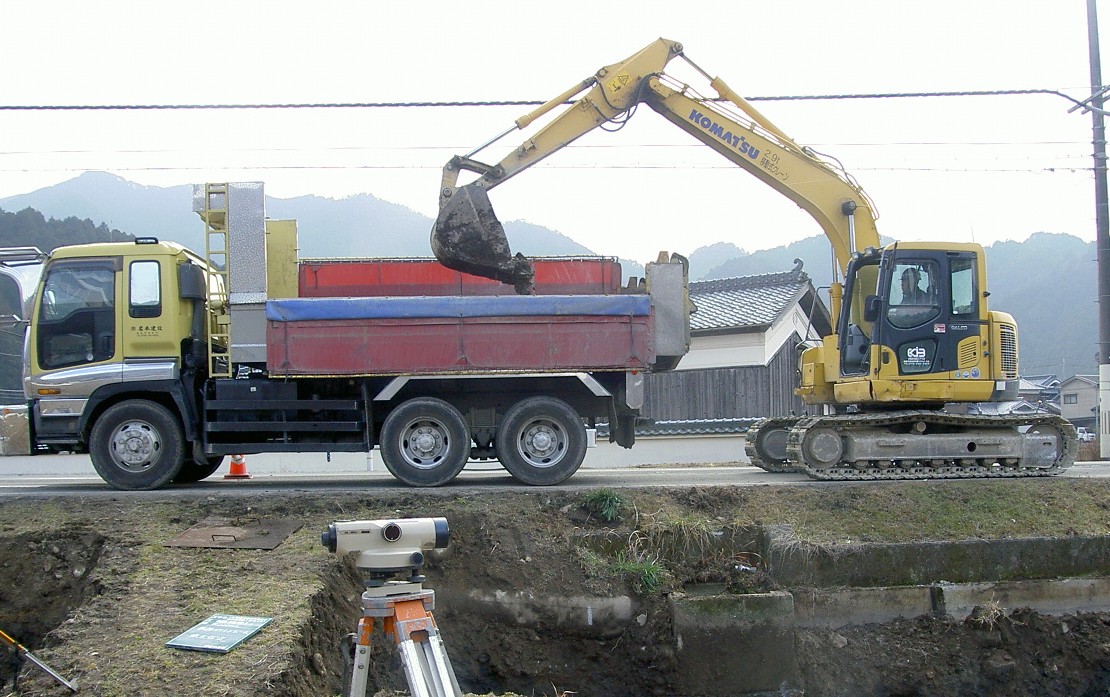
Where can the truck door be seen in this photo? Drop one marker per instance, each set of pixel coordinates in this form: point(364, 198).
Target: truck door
point(930, 305)
point(77, 314)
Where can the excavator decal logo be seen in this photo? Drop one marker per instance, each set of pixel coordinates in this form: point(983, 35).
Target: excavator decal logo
point(716, 129)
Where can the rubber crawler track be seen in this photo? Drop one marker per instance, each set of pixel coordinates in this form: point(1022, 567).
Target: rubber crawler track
point(953, 468)
point(763, 460)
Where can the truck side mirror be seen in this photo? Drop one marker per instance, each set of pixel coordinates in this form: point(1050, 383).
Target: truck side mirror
point(872, 308)
point(191, 282)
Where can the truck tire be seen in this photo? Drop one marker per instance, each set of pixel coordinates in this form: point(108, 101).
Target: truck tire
point(137, 445)
point(541, 441)
point(425, 442)
point(195, 470)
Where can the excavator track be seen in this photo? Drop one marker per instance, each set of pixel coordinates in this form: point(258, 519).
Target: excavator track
point(930, 445)
point(765, 444)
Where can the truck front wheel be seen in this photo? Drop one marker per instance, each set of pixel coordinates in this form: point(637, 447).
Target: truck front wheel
point(541, 441)
point(137, 444)
point(425, 442)
point(197, 469)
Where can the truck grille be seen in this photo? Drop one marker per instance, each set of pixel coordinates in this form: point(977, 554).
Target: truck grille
point(1007, 334)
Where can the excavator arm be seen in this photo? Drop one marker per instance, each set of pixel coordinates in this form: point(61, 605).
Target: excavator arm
point(468, 237)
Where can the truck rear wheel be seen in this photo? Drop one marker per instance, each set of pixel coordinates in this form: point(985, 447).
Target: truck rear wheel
point(425, 442)
point(137, 444)
point(541, 441)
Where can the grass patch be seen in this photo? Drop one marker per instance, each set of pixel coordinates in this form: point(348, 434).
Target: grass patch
point(604, 503)
point(679, 536)
point(641, 565)
point(915, 511)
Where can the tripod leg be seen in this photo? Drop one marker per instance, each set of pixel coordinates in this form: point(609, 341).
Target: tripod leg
point(360, 670)
point(427, 667)
point(440, 666)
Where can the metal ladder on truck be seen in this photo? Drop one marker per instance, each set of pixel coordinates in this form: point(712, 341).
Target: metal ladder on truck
point(219, 282)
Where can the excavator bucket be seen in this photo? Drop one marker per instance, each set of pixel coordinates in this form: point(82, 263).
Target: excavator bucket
point(468, 237)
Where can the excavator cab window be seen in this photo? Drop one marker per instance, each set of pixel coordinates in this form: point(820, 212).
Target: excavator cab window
point(965, 287)
point(912, 299)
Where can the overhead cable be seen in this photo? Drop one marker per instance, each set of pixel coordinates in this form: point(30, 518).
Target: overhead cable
point(427, 104)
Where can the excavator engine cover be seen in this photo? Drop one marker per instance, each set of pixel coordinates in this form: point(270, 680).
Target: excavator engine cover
point(468, 237)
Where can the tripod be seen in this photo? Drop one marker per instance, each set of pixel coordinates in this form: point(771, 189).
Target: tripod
point(406, 612)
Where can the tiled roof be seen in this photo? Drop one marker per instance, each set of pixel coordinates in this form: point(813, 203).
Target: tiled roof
point(745, 301)
point(1018, 407)
point(1042, 380)
point(688, 427)
point(1089, 379)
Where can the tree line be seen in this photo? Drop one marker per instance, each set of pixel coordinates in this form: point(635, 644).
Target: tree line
point(30, 228)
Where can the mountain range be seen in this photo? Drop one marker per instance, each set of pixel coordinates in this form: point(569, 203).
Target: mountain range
point(1048, 282)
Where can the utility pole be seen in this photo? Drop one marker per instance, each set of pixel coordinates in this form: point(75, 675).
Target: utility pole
point(1102, 230)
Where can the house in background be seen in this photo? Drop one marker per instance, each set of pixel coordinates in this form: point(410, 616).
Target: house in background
point(743, 359)
point(1037, 394)
point(1079, 400)
point(1040, 389)
point(742, 366)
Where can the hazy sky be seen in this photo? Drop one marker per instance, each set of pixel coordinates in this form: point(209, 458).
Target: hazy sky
point(966, 168)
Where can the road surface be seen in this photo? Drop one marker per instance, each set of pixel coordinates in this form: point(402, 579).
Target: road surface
point(73, 475)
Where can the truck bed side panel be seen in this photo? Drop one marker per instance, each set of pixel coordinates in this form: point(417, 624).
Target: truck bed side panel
point(331, 278)
point(388, 336)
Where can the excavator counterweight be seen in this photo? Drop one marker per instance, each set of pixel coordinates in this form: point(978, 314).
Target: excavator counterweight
point(468, 237)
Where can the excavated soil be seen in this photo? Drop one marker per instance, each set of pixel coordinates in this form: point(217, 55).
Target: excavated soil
point(90, 587)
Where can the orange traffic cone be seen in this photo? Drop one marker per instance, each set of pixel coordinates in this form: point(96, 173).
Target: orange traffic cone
point(238, 468)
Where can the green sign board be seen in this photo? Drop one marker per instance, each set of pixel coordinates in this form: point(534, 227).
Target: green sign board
point(219, 633)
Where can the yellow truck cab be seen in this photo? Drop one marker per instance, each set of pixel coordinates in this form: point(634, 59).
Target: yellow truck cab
point(108, 318)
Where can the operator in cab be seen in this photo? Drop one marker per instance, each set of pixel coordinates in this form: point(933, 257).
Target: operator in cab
point(912, 293)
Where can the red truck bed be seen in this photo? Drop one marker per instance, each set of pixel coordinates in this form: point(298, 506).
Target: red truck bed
point(475, 334)
point(335, 278)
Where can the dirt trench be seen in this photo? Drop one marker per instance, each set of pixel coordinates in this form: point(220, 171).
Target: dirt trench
point(99, 606)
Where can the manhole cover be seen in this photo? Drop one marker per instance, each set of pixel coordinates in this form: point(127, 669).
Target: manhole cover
point(237, 533)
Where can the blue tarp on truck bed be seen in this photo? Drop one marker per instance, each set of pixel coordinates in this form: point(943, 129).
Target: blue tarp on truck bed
point(306, 309)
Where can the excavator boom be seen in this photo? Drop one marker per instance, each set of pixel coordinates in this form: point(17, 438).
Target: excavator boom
point(468, 236)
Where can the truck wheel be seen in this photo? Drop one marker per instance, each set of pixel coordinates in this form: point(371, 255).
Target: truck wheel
point(196, 470)
point(541, 441)
point(137, 445)
point(425, 442)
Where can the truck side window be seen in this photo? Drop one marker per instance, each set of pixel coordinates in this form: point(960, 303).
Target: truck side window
point(964, 287)
point(146, 289)
point(77, 317)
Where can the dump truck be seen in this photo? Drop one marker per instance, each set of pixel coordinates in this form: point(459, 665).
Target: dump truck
point(159, 361)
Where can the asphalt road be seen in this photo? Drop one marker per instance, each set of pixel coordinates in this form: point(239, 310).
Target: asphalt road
point(73, 475)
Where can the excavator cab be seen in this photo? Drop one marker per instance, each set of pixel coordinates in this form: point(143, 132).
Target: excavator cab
point(468, 237)
point(922, 306)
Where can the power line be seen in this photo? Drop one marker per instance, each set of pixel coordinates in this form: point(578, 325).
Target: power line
point(201, 168)
point(489, 103)
point(576, 146)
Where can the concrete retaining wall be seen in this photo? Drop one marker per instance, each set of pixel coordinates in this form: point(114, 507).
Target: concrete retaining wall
point(933, 562)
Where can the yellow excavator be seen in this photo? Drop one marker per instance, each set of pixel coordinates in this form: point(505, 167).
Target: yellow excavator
point(916, 351)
